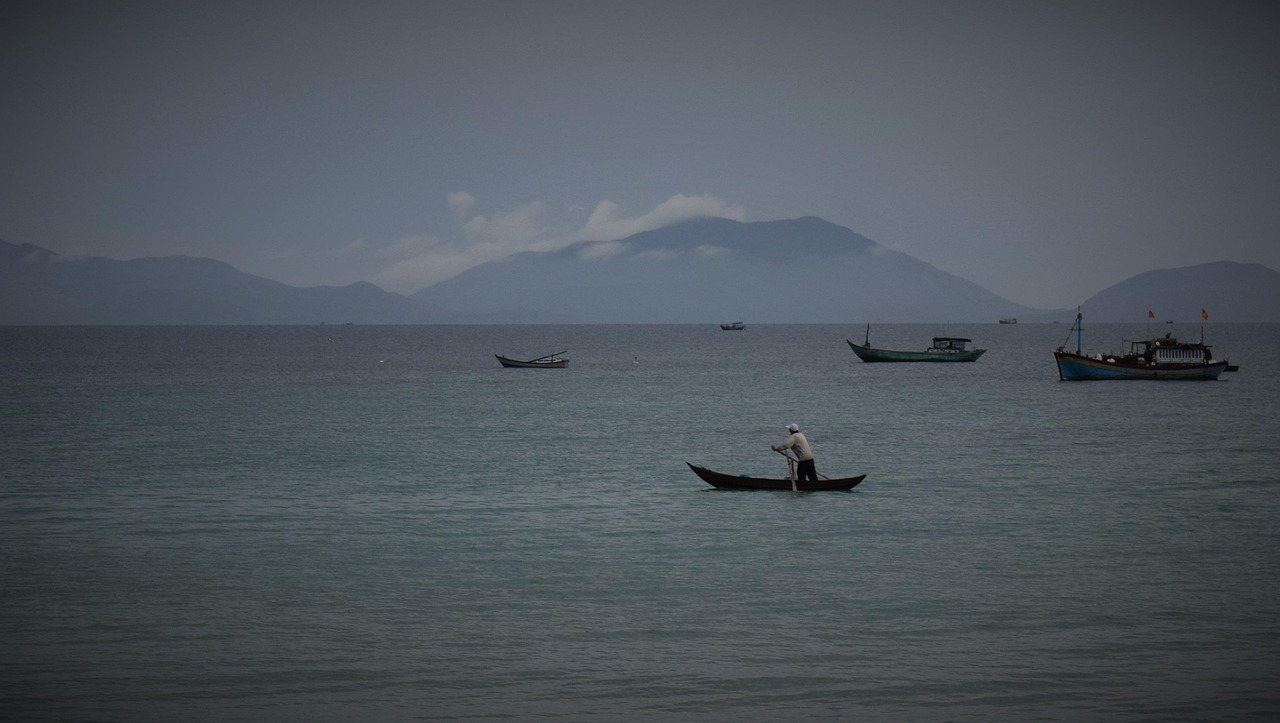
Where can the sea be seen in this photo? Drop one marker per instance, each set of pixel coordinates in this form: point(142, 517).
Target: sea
point(379, 523)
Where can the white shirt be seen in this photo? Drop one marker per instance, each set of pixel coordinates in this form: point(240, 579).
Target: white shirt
point(799, 443)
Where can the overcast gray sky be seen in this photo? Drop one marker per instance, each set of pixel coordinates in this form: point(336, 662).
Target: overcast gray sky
point(1044, 150)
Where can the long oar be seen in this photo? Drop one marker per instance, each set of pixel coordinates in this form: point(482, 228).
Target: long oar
point(791, 468)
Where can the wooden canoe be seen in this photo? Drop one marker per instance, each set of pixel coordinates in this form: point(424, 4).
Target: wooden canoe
point(743, 482)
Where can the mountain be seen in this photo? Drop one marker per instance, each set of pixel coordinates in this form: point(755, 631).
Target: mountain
point(713, 269)
point(37, 286)
point(1228, 291)
point(803, 270)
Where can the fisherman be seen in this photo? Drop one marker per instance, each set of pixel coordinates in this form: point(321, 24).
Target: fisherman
point(806, 470)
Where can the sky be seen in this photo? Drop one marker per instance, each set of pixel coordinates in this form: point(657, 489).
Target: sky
point(1044, 150)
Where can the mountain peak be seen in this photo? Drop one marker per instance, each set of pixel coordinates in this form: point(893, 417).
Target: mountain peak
point(24, 253)
point(700, 270)
point(807, 236)
point(1227, 290)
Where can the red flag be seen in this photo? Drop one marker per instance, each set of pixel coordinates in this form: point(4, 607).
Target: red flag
point(1151, 314)
point(1204, 315)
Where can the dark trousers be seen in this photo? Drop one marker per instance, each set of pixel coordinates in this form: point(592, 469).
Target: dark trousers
point(806, 471)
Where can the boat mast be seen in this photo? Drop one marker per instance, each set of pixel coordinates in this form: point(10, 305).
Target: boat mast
point(1079, 324)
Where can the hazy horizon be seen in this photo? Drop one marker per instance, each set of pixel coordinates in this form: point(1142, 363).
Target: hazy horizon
point(1044, 151)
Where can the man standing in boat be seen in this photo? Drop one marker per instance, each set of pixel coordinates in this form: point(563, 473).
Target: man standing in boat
point(806, 470)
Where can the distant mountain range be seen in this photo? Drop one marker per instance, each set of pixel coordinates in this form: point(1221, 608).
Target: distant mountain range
point(803, 270)
point(38, 286)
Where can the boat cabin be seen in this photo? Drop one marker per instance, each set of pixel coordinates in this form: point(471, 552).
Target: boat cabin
point(1168, 350)
point(949, 343)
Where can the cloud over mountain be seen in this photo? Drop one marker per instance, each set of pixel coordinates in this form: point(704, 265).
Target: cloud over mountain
point(707, 269)
point(604, 224)
point(417, 261)
point(703, 270)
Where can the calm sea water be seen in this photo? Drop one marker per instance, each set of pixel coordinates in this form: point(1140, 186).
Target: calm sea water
point(381, 524)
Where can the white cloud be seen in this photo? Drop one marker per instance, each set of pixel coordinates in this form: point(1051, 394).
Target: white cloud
point(406, 248)
point(461, 203)
point(520, 229)
point(601, 250)
point(710, 251)
point(412, 263)
point(660, 254)
point(414, 274)
point(603, 225)
point(420, 261)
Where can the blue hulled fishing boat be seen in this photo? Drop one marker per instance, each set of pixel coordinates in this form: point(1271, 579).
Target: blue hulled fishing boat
point(1159, 358)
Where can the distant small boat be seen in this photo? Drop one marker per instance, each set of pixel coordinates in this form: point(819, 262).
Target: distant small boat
point(735, 326)
point(943, 349)
point(550, 361)
point(1009, 320)
point(744, 482)
point(1161, 358)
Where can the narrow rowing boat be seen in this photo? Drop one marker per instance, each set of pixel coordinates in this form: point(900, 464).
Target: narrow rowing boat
point(743, 482)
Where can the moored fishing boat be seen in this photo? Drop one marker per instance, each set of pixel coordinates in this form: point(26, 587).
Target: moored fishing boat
point(744, 482)
point(1159, 358)
point(943, 349)
point(550, 361)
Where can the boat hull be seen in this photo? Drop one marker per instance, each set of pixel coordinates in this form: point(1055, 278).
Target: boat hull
point(728, 481)
point(518, 364)
point(870, 354)
point(1078, 367)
